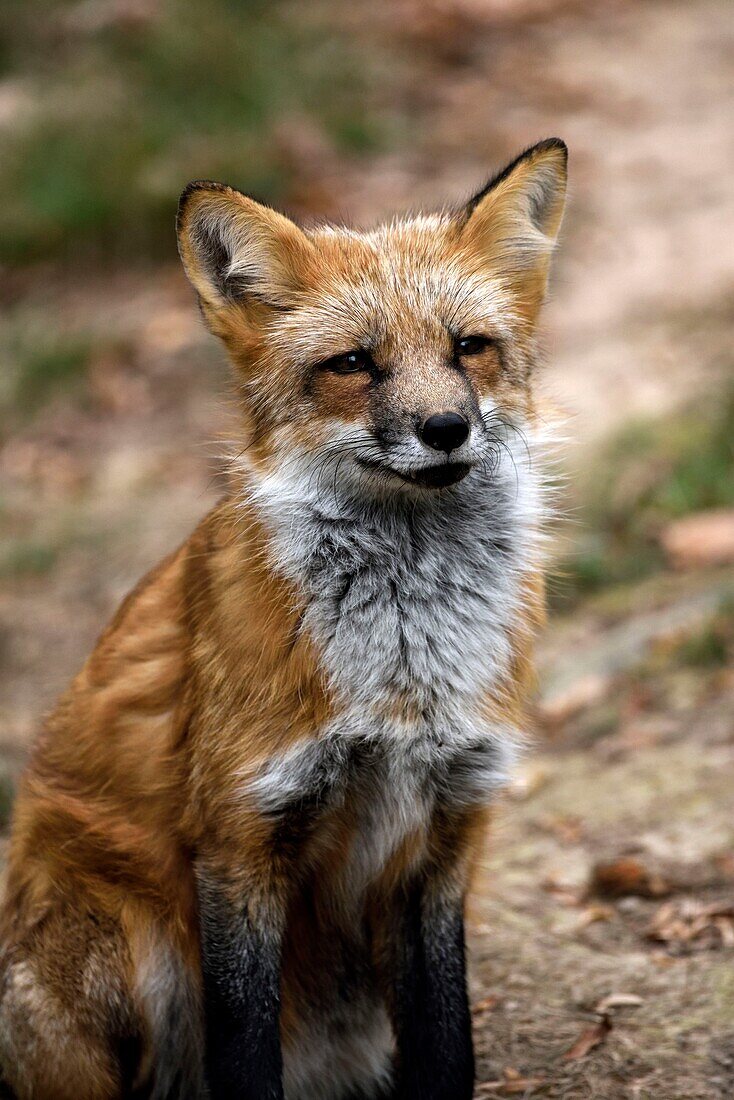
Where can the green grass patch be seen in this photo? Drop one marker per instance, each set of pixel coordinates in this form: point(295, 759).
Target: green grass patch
point(713, 645)
point(116, 113)
point(38, 362)
point(707, 649)
point(46, 369)
point(699, 650)
point(650, 474)
point(26, 558)
point(7, 797)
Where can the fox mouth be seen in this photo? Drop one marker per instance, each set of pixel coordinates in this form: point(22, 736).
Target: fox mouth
point(429, 477)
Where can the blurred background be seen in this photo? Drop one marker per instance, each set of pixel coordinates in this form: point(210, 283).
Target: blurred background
point(603, 923)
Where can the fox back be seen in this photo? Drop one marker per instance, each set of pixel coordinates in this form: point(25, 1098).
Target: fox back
point(244, 840)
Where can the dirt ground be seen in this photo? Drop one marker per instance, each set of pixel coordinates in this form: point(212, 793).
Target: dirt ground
point(602, 936)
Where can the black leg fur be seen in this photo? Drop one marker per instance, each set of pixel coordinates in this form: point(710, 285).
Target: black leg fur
point(241, 964)
point(430, 1004)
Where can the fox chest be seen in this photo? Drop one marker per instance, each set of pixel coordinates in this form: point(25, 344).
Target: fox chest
point(373, 797)
point(411, 661)
point(411, 614)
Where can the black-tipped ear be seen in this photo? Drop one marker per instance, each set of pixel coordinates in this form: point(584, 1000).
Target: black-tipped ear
point(548, 161)
point(203, 243)
point(233, 247)
point(513, 222)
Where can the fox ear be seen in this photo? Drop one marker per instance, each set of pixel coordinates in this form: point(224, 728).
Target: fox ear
point(513, 222)
point(234, 249)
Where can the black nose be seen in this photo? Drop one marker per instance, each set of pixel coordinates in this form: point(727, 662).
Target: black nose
point(444, 431)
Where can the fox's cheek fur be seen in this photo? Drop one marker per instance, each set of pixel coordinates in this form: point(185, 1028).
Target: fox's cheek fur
point(241, 850)
point(345, 398)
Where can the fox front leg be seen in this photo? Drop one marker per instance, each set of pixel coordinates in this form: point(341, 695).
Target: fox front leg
point(241, 951)
point(431, 1015)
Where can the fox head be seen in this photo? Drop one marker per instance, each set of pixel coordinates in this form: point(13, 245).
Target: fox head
point(389, 357)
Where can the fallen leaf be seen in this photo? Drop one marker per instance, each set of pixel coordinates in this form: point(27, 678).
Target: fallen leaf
point(558, 708)
point(512, 1084)
point(706, 538)
point(725, 926)
point(618, 1000)
point(592, 914)
point(565, 827)
point(644, 733)
point(724, 863)
point(520, 1086)
point(529, 782)
point(589, 1038)
point(563, 892)
point(690, 924)
point(626, 876)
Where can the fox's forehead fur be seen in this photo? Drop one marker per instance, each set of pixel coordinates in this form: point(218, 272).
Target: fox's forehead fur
point(403, 285)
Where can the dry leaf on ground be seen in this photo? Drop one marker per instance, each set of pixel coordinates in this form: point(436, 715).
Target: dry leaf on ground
point(690, 924)
point(565, 827)
point(624, 877)
point(618, 1000)
point(706, 538)
point(563, 892)
point(591, 1037)
point(528, 782)
point(593, 914)
point(512, 1084)
point(555, 709)
point(724, 863)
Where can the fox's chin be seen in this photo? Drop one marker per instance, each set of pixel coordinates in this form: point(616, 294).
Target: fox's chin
point(428, 477)
point(439, 477)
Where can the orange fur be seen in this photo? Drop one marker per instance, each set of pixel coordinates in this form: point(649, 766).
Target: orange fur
point(205, 671)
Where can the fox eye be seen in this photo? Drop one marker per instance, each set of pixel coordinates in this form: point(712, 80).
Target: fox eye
point(349, 363)
point(472, 345)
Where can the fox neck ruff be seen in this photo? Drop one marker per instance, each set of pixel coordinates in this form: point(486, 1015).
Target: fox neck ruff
point(411, 600)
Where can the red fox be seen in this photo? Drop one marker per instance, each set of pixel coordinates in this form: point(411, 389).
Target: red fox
point(243, 843)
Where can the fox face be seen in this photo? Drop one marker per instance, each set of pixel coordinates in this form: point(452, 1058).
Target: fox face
point(390, 360)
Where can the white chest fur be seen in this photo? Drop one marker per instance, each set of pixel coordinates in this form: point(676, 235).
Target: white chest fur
point(410, 603)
